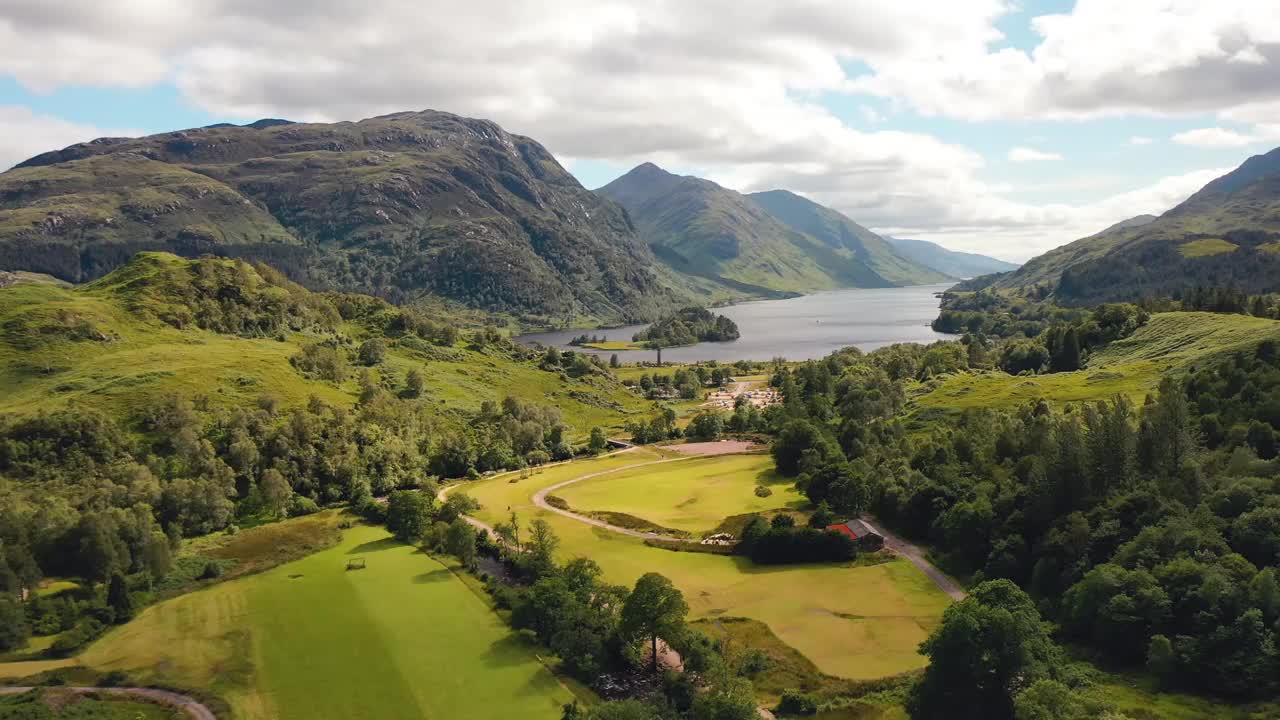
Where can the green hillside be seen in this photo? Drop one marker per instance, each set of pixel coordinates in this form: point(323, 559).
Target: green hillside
point(399, 206)
point(1221, 236)
point(706, 231)
point(1170, 344)
point(950, 262)
point(847, 238)
point(133, 338)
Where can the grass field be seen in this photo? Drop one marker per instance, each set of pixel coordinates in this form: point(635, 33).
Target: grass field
point(132, 361)
point(403, 638)
point(1206, 247)
point(693, 495)
point(852, 622)
point(1138, 700)
point(1168, 343)
point(615, 345)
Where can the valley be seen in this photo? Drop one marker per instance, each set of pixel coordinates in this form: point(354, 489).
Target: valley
point(368, 419)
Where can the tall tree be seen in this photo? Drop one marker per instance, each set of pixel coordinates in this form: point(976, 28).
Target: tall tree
point(118, 598)
point(654, 609)
point(990, 646)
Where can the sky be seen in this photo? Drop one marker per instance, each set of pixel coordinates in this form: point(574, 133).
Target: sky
point(1005, 127)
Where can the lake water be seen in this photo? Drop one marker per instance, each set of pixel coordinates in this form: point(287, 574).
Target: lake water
point(800, 328)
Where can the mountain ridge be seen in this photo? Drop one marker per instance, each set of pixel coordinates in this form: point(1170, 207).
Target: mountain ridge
point(1225, 234)
point(400, 206)
point(951, 262)
point(773, 242)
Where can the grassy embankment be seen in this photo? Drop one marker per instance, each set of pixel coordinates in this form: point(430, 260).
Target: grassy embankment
point(851, 622)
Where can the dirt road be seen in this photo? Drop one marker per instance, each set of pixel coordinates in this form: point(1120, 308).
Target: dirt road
point(916, 557)
point(186, 703)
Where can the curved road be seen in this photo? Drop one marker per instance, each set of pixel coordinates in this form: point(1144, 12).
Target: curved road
point(193, 707)
point(894, 543)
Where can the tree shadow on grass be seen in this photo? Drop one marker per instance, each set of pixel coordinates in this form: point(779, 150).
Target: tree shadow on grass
point(375, 546)
point(512, 649)
point(435, 576)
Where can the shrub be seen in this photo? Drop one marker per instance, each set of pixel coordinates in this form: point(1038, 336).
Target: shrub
point(77, 637)
point(763, 491)
point(302, 505)
point(754, 662)
point(795, 702)
point(556, 501)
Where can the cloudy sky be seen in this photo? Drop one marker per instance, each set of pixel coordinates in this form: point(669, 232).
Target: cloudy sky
point(998, 126)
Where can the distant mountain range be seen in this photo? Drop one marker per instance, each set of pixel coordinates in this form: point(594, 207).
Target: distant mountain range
point(950, 262)
point(769, 242)
point(1227, 234)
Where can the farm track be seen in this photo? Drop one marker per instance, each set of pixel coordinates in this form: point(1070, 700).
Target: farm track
point(186, 703)
point(894, 543)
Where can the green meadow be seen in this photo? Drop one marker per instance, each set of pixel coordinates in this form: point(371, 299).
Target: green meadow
point(403, 638)
point(851, 622)
point(692, 495)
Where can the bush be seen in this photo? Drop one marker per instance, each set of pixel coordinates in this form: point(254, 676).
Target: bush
point(77, 637)
point(795, 702)
point(115, 678)
point(754, 662)
point(211, 570)
point(556, 501)
point(302, 505)
point(763, 491)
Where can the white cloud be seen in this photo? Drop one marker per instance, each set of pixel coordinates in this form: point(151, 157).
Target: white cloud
point(1214, 137)
point(1026, 154)
point(1140, 140)
point(24, 134)
point(724, 85)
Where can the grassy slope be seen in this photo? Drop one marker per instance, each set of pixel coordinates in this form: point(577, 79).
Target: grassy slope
point(401, 639)
point(1169, 343)
point(877, 615)
point(141, 360)
point(692, 495)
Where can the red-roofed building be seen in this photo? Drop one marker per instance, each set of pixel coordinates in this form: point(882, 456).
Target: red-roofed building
point(859, 531)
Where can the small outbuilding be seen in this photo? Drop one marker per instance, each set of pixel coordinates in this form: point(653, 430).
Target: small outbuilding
point(861, 533)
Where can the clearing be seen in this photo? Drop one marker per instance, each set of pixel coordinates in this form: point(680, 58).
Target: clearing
point(851, 622)
point(403, 638)
point(692, 495)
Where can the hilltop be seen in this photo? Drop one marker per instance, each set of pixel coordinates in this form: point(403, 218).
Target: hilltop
point(1226, 234)
point(763, 244)
point(400, 206)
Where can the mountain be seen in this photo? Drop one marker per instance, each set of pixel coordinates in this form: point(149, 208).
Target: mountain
point(838, 232)
point(776, 245)
point(400, 206)
point(1226, 234)
point(1133, 222)
point(950, 262)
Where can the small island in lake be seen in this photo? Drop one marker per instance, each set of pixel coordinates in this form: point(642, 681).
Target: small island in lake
point(688, 326)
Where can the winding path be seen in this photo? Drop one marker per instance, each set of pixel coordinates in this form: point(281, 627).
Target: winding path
point(894, 543)
point(190, 705)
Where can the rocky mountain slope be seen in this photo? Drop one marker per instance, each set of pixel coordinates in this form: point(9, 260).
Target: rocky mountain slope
point(399, 206)
point(950, 262)
point(1228, 233)
point(774, 242)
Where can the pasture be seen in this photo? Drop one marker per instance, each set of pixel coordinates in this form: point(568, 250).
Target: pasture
point(403, 638)
point(851, 622)
point(692, 495)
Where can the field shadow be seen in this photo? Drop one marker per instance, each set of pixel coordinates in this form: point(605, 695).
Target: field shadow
point(375, 546)
point(511, 650)
point(435, 576)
